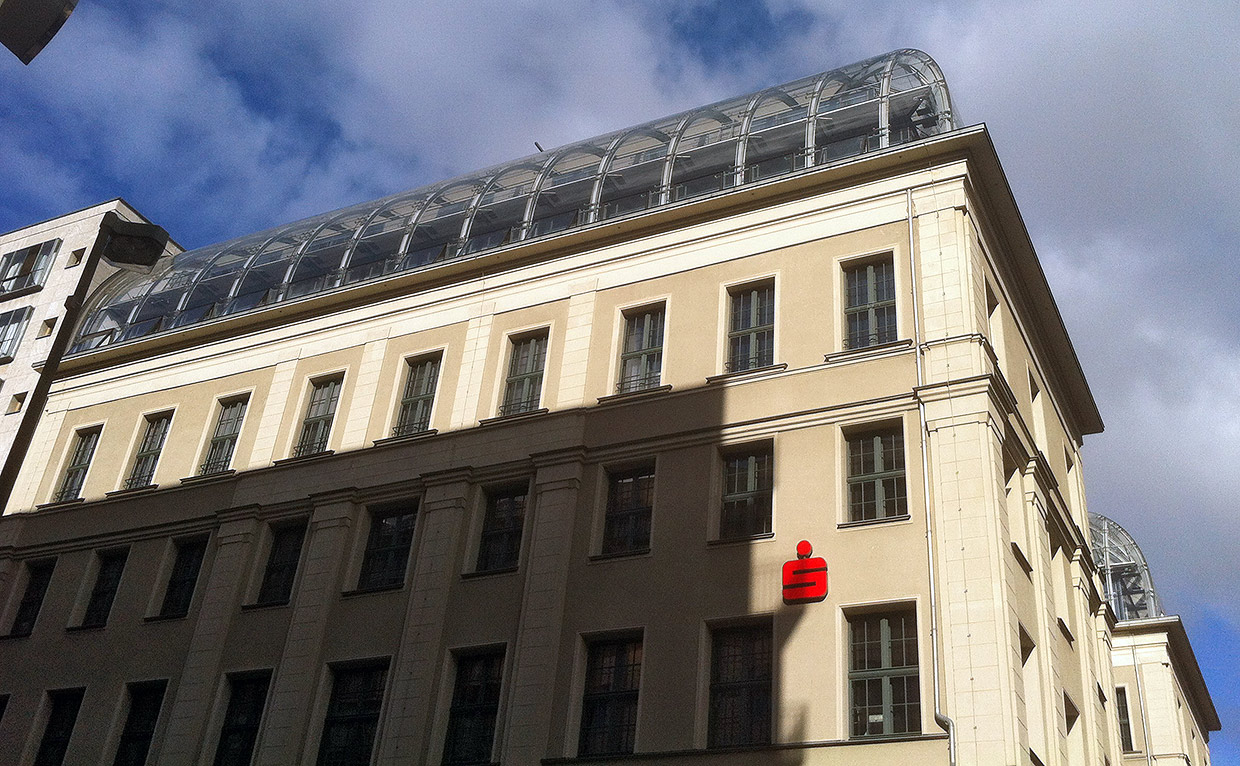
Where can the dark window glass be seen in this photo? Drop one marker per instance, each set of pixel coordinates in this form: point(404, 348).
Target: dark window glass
point(876, 487)
point(523, 389)
point(870, 310)
point(630, 498)
point(609, 704)
point(79, 463)
point(740, 686)
point(183, 578)
point(224, 438)
point(27, 267)
point(281, 567)
point(415, 404)
point(4, 703)
point(748, 478)
point(352, 715)
point(1125, 723)
point(246, 698)
point(751, 331)
point(60, 719)
point(111, 565)
point(882, 675)
point(475, 703)
point(38, 576)
point(387, 547)
point(12, 328)
point(144, 462)
point(641, 357)
point(145, 699)
point(500, 547)
point(317, 425)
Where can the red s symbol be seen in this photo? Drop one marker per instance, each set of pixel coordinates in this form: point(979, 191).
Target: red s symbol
point(805, 578)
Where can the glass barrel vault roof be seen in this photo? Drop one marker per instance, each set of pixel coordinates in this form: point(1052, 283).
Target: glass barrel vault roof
point(815, 121)
point(1125, 575)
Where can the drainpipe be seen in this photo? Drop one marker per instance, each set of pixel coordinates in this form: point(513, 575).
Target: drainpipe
point(946, 723)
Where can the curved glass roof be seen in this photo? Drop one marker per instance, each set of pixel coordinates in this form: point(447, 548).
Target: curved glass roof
point(1121, 565)
point(815, 121)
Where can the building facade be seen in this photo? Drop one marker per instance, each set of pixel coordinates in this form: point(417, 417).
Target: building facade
point(751, 435)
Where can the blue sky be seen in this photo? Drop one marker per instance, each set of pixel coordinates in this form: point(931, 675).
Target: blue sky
point(1116, 123)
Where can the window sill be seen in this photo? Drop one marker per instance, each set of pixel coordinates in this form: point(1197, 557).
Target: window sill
point(376, 589)
point(628, 396)
point(205, 477)
point(635, 553)
point(264, 605)
point(873, 522)
point(14, 636)
point(1067, 632)
point(851, 353)
point(756, 372)
point(740, 540)
point(406, 438)
point(60, 504)
point(514, 416)
point(132, 491)
point(165, 617)
point(1022, 559)
point(305, 458)
point(85, 628)
point(19, 292)
point(488, 573)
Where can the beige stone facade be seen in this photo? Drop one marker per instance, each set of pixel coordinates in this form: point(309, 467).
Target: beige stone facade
point(984, 562)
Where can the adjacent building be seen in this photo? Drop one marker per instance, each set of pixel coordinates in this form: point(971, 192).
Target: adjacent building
point(749, 435)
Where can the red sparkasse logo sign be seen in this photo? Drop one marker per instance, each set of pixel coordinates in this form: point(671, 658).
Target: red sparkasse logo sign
point(805, 577)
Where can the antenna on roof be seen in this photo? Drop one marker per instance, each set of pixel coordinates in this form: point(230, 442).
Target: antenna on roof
point(538, 146)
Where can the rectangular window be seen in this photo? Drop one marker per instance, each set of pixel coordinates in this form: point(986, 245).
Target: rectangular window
point(523, 389)
point(748, 479)
point(641, 357)
point(630, 499)
point(740, 686)
point(870, 303)
point(876, 487)
point(352, 715)
point(882, 675)
point(183, 578)
point(12, 328)
point(145, 699)
point(4, 703)
point(387, 546)
point(281, 569)
point(246, 697)
point(415, 405)
point(38, 576)
point(319, 414)
point(224, 438)
point(26, 267)
point(1125, 722)
point(609, 703)
point(144, 462)
point(79, 464)
point(475, 705)
point(62, 715)
point(107, 581)
point(500, 547)
point(751, 331)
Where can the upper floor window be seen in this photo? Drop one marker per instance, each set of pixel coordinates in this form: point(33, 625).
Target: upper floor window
point(12, 328)
point(748, 482)
point(609, 702)
point(320, 412)
point(500, 546)
point(475, 705)
point(79, 463)
point(523, 388)
point(415, 404)
point(751, 329)
point(1125, 719)
point(63, 706)
point(246, 697)
point(107, 582)
point(183, 578)
point(145, 700)
point(630, 499)
point(387, 547)
point(38, 577)
point(352, 715)
point(224, 438)
point(26, 267)
point(876, 487)
point(282, 559)
point(641, 357)
point(143, 473)
point(740, 686)
point(870, 303)
point(882, 674)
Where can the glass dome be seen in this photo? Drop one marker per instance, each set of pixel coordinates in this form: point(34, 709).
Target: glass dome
point(815, 121)
point(1125, 575)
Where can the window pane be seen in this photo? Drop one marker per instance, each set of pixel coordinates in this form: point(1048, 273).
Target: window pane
point(740, 686)
point(387, 549)
point(641, 357)
point(184, 577)
point(630, 498)
point(247, 696)
point(224, 439)
point(876, 481)
point(352, 716)
point(319, 414)
point(748, 479)
point(59, 728)
point(145, 701)
point(609, 704)
point(751, 336)
point(415, 406)
point(523, 389)
point(475, 704)
point(281, 566)
point(500, 547)
point(108, 580)
point(884, 681)
point(39, 575)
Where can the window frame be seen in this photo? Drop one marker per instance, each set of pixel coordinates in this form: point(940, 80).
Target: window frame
point(755, 496)
point(314, 437)
point(622, 696)
point(52, 750)
point(149, 448)
point(77, 466)
point(523, 388)
point(876, 334)
point(378, 570)
point(102, 595)
point(461, 712)
point(888, 506)
point(31, 263)
point(29, 602)
point(649, 347)
point(1123, 715)
point(743, 325)
point(491, 528)
point(222, 446)
point(141, 733)
point(886, 672)
point(181, 586)
point(333, 717)
point(12, 330)
point(417, 404)
point(752, 690)
point(643, 514)
point(286, 569)
point(247, 729)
